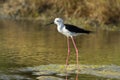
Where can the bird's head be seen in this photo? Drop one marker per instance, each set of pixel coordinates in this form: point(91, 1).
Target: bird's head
point(57, 21)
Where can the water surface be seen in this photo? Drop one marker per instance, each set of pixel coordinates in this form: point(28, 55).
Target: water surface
point(28, 43)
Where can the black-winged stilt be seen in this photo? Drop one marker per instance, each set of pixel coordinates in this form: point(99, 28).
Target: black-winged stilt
point(69, 31)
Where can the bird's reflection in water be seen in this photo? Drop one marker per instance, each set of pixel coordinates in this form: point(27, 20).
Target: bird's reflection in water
point(76, 77)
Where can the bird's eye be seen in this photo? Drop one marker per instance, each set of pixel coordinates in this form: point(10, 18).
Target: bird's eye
point(57, 20)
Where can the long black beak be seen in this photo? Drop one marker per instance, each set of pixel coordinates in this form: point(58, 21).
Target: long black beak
point(49, 23)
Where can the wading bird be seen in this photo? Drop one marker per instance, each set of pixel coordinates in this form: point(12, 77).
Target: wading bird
point(69, 31)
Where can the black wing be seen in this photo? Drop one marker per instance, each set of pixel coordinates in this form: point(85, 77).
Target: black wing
point(75, 29)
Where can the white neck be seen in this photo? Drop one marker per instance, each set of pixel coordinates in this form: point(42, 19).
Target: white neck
point(60, 26)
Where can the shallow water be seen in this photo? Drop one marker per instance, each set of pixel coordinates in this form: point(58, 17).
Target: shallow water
point(28, 43)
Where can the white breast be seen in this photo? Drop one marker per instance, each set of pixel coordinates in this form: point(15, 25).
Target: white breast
point(65, 32)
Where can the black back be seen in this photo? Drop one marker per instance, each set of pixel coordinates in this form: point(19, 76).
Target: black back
point(75, 29)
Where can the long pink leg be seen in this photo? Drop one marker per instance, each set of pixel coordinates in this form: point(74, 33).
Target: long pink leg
point(68, 43)
point(76, 51)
